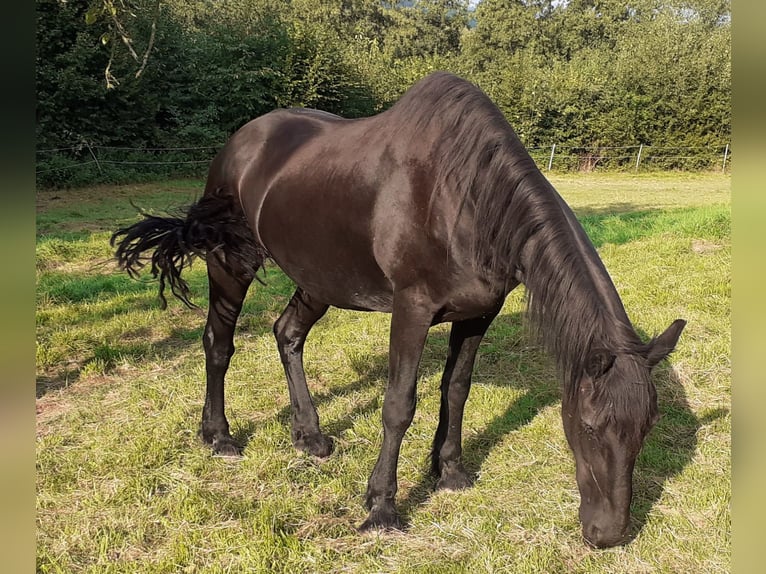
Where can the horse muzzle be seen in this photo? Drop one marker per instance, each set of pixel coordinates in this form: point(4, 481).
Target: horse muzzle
point(605, 536)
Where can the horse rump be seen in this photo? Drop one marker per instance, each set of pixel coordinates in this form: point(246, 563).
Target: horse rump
point(213, 224)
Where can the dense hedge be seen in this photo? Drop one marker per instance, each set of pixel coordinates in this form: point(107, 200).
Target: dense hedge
point(586, 74)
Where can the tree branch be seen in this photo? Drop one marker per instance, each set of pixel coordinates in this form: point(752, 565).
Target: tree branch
point(152, 37)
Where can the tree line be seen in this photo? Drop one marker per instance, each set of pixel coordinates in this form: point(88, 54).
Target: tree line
point(137, 75)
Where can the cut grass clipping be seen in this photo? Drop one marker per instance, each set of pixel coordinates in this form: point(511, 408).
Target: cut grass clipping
point(124, 485)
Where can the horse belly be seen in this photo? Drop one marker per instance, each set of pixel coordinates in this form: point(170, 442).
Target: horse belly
point(322, 240)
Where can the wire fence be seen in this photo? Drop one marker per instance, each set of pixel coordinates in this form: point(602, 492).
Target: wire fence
point(633, 157)
point(88, 164)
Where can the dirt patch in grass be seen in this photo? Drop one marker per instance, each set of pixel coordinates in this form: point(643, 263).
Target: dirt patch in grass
point(65, 198)
point(50, 404)
point(48, 408)
point(702, 246)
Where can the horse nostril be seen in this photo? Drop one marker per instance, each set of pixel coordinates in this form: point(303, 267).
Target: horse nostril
point(597, 539)
point(591, 536)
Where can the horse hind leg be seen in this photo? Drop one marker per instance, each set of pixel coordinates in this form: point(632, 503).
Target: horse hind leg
point(290, 331)
point(227, 294)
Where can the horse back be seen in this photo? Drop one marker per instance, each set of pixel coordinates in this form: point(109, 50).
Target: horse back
point(348, 208)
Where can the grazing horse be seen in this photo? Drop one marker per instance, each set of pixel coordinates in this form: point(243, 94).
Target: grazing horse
point(432, 211)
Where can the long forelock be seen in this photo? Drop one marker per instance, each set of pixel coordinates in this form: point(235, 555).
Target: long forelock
point(628, 396)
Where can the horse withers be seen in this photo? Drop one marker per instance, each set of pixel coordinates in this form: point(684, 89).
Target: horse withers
point(432, 211)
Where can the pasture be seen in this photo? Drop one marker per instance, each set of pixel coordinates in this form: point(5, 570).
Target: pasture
point(124, 485)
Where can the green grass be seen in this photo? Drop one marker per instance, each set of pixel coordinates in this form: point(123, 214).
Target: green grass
point(123, 485)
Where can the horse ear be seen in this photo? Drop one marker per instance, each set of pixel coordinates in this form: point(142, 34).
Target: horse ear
point(599, 362)
point(662, 345)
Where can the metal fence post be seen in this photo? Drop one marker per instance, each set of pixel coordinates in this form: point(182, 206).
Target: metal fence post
point(638, 157)
point(550, 161)
point(725, 156)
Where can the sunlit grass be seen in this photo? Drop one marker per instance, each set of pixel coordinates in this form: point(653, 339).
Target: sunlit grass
point(123, 484)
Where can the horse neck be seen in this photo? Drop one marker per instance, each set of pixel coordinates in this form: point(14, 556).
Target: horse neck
point(573, 302)
point(585, 257)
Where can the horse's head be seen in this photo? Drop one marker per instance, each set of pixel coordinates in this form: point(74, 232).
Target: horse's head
point(606, 422)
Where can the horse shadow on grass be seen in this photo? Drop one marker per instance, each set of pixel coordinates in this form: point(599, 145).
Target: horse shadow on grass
point(369, 374)
point(667, 451)
point(669, 448)
point(499, 351)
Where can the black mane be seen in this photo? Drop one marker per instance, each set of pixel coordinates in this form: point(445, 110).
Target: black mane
point(572, 304)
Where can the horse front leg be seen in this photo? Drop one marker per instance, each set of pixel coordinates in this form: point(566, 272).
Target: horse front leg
point(227, 293)
point(290, 330)
point(409, 328)
point(446, 456)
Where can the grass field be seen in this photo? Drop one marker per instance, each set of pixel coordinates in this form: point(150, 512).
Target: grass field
point(123, 485)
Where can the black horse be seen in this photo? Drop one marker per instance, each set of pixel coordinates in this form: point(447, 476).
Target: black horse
point(432, 211)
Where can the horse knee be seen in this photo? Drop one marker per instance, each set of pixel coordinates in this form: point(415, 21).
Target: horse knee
point(398, 416)
point(288, 342)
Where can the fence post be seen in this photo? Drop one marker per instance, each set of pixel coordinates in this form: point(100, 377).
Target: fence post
point(93, 155)
point(550, 160)
point(638, 157)
point(725, 156)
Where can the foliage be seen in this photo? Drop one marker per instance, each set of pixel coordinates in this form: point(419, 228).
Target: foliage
point(144, 74)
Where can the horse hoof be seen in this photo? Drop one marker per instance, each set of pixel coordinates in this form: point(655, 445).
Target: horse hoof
point(226, 447)
point(454, 481)
point(381, 518)
point(222, 443)
point(317, 445)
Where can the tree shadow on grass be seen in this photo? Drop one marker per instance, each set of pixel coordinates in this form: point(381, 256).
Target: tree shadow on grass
point(616, 208)
point(135, 345)
point(103, 297)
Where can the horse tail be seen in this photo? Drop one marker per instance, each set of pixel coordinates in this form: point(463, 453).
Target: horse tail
point(215, 224)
